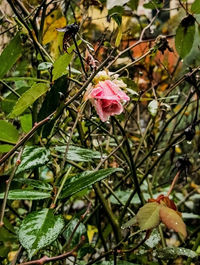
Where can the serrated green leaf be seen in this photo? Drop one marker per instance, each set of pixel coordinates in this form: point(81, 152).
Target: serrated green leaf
point(42, 185)
point(79, 154)
point(61, 64)
point(154, 239)
point(10, 55)
point(172, 252)
point(148, 216)
point(8, 132)
point(28, 98)
point(131, 222)
point(80, 231)
point(84, 180)
point(26, 195)
point(195, 8)
point(185, 36)
point(33, 157)
point(39, 229)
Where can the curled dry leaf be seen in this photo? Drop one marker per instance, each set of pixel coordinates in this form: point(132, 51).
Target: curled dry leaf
point(172, 220)
point(148, 216)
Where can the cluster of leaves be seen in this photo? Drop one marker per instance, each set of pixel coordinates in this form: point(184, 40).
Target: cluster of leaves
point(69, 183)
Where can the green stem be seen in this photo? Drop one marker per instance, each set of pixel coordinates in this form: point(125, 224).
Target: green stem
point(62, 185)
point(162, 237)
point(113, 221)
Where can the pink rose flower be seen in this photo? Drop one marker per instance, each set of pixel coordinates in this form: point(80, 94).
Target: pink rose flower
point(107, 99)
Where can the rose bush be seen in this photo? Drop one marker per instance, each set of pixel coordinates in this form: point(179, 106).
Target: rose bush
point(107, 99)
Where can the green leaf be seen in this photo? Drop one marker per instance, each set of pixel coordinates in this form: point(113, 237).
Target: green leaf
point(112, 3)
point(153, 4)
point(133, 4)
point(80, 231)
point(26, 195)
point(42, 185)
point(195, 8)
point(39, 229)
point(26, 122)
point(8, 133)
point(28, 98)
point(4, 148)
point(10, 55)
point(33, 157)
point(44, 66)
point(116, 14)
point(154, 239)
point(52, 102)
point(10, 100)
point(85, 179)
point(148, 216)
point(79, 154)
point(153, 107)
point(119, 37)
point(185, 36)
point(190, 216)
point(60, 65)
point(131, 222)
point(173, 252)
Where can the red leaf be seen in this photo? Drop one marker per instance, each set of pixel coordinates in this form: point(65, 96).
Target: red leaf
point(173, 220)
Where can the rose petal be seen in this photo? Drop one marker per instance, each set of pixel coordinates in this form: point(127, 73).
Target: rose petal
point(117, 91)
point(98, 106)
point(113, 108)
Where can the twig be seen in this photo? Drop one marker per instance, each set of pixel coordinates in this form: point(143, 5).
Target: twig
point(46, 259)
point(137, 43)
point(16, 256)
point(174, 182)
point(8, 182)
point(134, 62)
point(67, 244)
point(79, 55)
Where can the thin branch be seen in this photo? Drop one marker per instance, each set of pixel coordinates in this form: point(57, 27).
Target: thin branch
point(8, 182)
point(46, 259)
